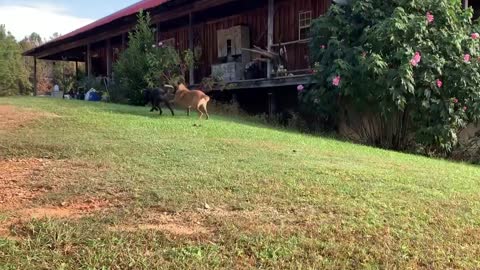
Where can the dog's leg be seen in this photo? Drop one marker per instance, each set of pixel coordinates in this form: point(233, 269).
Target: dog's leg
point(169, 107)
point(204, 109)
point(200, 113)
point(160, 109)
point(188, 111)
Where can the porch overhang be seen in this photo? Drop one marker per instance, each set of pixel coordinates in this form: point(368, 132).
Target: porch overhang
point(69, 46)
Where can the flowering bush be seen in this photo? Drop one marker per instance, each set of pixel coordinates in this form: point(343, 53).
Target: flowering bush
point(413, 64)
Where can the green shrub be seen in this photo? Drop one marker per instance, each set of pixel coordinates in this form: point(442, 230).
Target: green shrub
point(13, 73)
point(413, 65)
point(145, 64)
point(132, 65)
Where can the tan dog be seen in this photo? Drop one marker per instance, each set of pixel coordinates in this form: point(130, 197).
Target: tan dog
point(192, 99)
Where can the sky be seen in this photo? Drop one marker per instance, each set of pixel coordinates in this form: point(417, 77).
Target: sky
point(45, 17)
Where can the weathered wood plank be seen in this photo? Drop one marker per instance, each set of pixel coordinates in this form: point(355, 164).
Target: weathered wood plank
point(190, 46)
point(35, 82)
point(266, 83)
point(109, 54)
point(271, 16)
point(89, 60)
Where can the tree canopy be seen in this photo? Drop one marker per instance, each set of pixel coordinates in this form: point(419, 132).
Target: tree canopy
point(14, 76)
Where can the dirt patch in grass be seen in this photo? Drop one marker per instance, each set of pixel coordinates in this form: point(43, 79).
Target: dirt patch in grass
point(15, 179)
point(12, 117)
point(71, 210)
point(178, 224)
point(23, 181)
point(208, 222)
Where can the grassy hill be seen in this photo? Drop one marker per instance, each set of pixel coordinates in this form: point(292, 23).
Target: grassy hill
point(117, 187)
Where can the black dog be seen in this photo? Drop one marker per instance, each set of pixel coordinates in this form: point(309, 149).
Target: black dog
point(157, 96)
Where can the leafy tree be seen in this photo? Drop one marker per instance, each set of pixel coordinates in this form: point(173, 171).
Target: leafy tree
point(13, 74)
point(44, 68)
point(145, 64)
point(166, 65)
point(413, 66)
point(132, 67)
point(64, 75)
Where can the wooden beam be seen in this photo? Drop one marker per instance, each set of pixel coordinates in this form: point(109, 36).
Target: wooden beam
point(109, 52)
point(157, 33)
point(256, 84)
point(271, 104)
point(190, 46)
point(185, 10)
point(270, 83)
point(76, 70)
point(35, 82)
point(124, 41)
point(271, 16)
point(465, 4)
point(83, 42)
point(89, 61)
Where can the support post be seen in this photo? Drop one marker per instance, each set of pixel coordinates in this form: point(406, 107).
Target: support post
point(124, 41)
point(271, 104)
point(190, 46)
point(89, 61)
point(35, 82)
point(157, 33)
point(465, 4)
point(271, 16)
point(109, 53)
point(76, 70)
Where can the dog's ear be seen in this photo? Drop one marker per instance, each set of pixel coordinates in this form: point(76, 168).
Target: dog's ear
point(183, 87)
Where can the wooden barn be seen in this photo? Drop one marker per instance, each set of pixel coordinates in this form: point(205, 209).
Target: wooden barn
point(220, 30)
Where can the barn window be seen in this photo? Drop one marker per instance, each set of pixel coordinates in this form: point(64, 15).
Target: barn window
point(304, 23)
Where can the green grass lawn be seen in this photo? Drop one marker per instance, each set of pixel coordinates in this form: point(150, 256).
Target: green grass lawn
point(229, 194)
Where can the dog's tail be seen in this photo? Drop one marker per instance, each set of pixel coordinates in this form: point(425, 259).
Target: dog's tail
point(206, 98)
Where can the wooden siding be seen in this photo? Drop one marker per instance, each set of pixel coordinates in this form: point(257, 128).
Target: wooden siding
point(285, 30)
point(287, 27)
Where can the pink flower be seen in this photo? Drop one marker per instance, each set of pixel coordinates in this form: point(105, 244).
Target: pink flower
point(336, 81)
point(323, 46)
point(439, 83)
point(300, 88)
point(416, 59)
point(430, 17)
point(466, 58)
point(475, 35)
point(465, 108)
point(455, 100)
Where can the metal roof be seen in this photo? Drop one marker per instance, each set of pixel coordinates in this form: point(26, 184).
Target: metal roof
point(128, 11)
point(133, 9)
